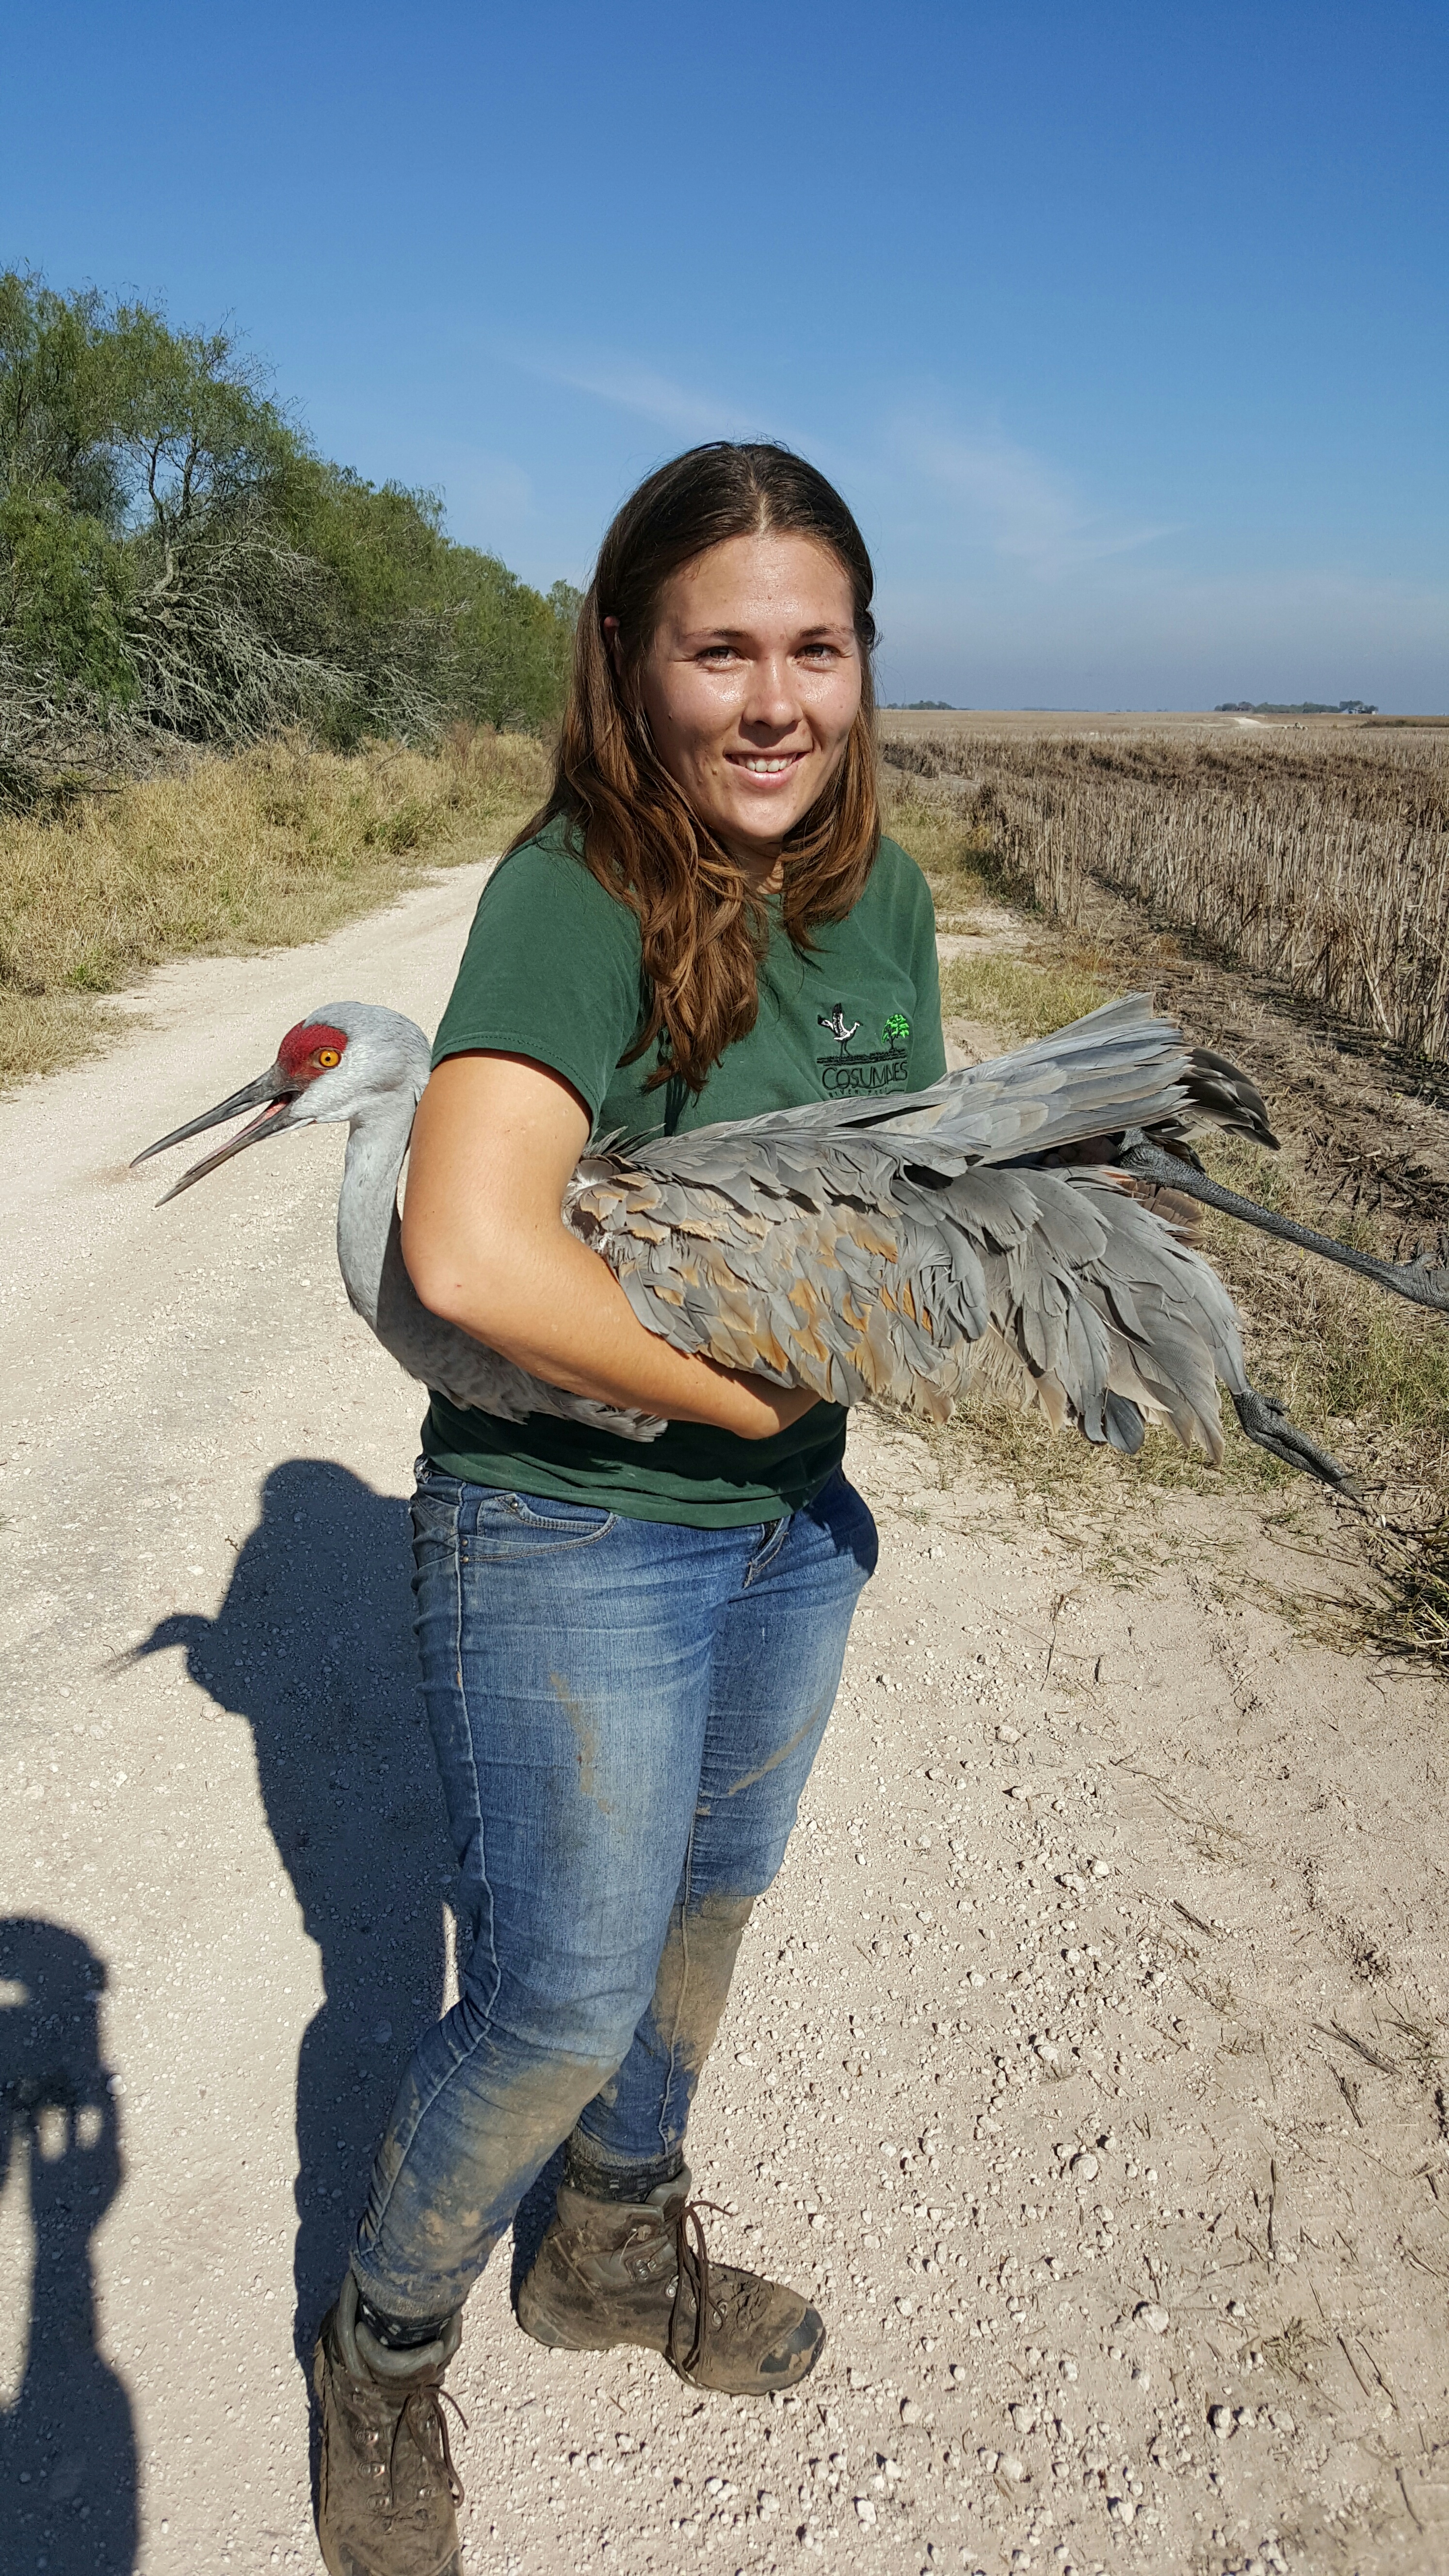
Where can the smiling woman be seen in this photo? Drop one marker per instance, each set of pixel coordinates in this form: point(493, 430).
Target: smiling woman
point(629, 1653)
point(719, 739)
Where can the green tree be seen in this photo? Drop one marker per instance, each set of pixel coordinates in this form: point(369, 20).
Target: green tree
point(63, 593)
point(174, 555)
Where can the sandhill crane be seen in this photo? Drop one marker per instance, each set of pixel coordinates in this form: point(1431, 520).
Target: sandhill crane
point(861, 1248)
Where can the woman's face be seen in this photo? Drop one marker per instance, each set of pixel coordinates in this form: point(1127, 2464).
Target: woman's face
point(751, 685)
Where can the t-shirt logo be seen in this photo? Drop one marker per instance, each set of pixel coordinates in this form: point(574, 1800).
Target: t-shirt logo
point(848, 1074)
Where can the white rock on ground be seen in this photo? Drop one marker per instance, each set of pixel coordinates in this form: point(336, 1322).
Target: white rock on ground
point(226, 1887)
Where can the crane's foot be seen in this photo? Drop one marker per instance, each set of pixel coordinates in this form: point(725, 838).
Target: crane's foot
point(1268, 1423)
point(1425, 1281)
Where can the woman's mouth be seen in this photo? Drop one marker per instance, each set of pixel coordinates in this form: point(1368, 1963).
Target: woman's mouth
point(765, 764)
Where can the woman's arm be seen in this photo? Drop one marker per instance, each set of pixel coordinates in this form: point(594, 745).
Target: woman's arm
point(494, 1146)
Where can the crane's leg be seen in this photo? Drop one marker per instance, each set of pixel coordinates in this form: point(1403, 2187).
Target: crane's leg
point(1425, 1283)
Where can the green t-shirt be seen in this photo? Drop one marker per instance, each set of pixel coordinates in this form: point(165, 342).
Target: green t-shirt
point(552, 970)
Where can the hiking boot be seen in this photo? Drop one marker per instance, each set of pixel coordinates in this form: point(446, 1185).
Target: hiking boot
point(612, 2272)
point(387, 2490)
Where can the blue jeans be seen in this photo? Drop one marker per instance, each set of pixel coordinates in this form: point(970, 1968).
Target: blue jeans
point(625, 1714)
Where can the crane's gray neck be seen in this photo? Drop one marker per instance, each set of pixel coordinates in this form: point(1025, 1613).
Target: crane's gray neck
point(367, 1205)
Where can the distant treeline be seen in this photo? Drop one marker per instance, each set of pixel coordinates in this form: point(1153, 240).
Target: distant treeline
point(1305, 707)
point(179, 565)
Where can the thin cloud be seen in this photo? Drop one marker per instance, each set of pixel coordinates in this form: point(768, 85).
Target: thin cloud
point(481, 482)
point(1017, 505)
point(651, 396)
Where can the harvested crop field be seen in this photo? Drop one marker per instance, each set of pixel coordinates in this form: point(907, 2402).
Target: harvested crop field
point(1322, 859)
point(1364, 1156)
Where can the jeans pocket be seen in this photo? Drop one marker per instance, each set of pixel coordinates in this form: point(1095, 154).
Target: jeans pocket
point(507, 1524)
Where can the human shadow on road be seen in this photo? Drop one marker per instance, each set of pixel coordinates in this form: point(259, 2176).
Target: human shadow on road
point(67, 2445)
point(313, 1647)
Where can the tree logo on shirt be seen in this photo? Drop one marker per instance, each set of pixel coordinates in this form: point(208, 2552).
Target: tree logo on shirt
point(847, 1076)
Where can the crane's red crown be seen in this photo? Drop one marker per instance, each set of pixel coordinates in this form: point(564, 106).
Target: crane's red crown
point(300, 1045)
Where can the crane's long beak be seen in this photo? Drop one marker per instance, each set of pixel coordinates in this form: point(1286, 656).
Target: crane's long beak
point(273, 1091)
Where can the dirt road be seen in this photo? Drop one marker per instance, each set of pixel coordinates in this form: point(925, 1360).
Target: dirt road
point(1087, 2058)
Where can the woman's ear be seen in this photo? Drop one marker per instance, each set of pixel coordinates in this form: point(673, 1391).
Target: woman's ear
point(611, 638)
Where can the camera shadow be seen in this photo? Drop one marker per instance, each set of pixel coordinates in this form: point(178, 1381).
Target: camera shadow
point(67, 2444)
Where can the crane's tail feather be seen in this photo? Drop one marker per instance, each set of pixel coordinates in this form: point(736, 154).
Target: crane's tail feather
point(1222, 1094)
point(1126, 1429)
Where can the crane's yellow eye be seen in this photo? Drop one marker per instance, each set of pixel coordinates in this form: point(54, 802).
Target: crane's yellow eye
point(327, 1057)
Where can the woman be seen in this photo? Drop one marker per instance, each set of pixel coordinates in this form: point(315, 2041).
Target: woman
point(629, 1651)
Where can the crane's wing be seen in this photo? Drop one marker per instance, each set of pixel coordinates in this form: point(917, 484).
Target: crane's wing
point(862, 1278)
point(865, 1248)
point(450, 1363)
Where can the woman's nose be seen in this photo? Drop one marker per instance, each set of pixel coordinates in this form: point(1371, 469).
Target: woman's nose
point(772, 699)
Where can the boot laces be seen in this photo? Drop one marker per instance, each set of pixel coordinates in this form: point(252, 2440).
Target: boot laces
point(693, 2255)
point(422, 2412)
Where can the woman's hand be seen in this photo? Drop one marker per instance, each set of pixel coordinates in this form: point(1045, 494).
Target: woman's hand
point(494, 1146)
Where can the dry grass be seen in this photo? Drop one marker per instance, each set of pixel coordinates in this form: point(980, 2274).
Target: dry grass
point(954, 848)
point(260, 850)
point(1408, 1611)
point(1023, 997)
point(1322, 861)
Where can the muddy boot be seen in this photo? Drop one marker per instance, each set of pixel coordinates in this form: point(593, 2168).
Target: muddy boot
point(387, 2490)
point(612, 2272)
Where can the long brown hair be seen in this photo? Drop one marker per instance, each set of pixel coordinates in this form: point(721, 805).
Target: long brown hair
point(703, 932)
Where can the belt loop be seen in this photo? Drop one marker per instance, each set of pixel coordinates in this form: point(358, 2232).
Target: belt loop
point(769, 1539)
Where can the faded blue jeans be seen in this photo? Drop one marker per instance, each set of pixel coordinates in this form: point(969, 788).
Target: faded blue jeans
point(625, 1714)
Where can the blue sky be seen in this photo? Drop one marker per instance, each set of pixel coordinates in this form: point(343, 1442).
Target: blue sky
point(1122, 328)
